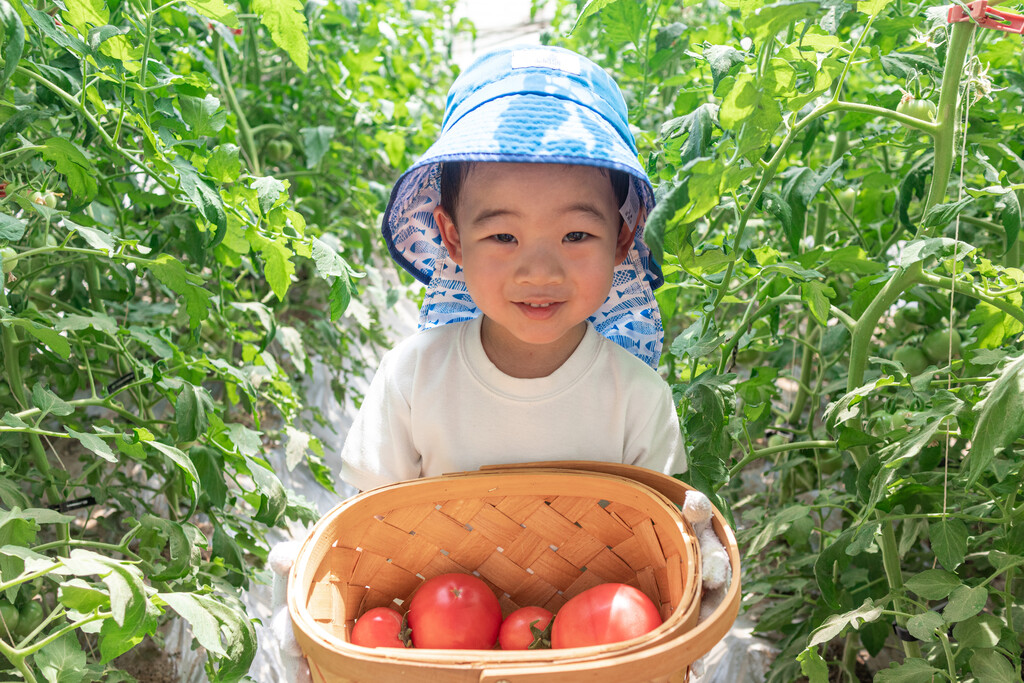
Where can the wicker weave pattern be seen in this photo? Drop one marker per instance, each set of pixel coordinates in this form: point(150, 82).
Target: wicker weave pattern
point(530, 550)
point(538, 535)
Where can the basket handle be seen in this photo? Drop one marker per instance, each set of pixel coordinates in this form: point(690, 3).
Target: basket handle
point(670, 487)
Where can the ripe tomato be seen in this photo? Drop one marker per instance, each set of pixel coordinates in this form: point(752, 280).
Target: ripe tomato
point(607, 613)
point(524, 629)
point(379, 627)
point(454, 612)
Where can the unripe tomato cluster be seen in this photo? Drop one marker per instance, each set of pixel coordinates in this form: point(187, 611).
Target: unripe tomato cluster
point(459, 612)
point(17, 623)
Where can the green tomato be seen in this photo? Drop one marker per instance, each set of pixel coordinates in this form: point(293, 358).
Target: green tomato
point(777, 440)
point(913, 359)
point(918, 109)
point(7, 259)
point(848, 200)
point(937, 345)
point(899, 420)
point(278, 150)
point(29, 617)
point(9, 618)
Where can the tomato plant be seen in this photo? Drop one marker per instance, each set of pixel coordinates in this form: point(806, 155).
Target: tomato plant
point(172, 295)
point(454, 611)
point(527, 628)
point(606, 613)
point(379, 627)
point(784, 307)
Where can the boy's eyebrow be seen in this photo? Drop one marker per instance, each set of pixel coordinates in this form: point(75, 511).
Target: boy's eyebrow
point(576, 207)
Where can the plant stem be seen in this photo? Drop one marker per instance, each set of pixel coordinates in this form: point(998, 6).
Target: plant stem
point(245, 133)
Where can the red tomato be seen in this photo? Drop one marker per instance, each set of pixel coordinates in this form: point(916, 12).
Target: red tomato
point(516, 632)
point(607, 613)
point(454, 612)
point(378, 627)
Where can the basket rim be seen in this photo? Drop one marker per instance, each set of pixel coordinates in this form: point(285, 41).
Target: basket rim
point(306, 564)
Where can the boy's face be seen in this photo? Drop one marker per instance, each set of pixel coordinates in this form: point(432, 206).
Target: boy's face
point(538, 244)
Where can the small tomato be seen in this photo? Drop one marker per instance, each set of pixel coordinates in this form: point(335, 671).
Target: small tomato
point(526, 629)
point(8, 618)
point(919, 109)
point(937, 345)
point(913, 359)
point(848, 199)
point(8, 258)
point(29, 617)
point(606, 613)
point(378, 627)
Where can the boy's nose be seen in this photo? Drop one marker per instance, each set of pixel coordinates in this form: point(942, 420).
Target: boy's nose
point(539, 267)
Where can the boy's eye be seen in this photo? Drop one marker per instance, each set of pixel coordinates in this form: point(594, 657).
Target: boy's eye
point(575, 236)
point(504, 238)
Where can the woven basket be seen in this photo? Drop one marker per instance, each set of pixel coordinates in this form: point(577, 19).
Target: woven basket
point(537, 534)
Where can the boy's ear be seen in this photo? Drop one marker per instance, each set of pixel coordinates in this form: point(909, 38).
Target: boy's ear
point(623, 243)
point(449, 234)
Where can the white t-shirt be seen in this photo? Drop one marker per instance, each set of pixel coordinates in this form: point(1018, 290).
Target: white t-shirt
point(437, 404)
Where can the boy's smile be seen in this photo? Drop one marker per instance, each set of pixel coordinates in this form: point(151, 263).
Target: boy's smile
point(538, 244)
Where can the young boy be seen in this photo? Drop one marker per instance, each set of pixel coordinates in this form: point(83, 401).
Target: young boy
point(539, 328)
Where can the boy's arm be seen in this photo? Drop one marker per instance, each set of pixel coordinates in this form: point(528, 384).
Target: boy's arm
point(379, 448)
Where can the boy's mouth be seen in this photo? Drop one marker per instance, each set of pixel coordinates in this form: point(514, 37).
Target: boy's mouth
point(538, 309)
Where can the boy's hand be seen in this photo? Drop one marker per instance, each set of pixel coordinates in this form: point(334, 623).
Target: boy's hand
point(281, 559)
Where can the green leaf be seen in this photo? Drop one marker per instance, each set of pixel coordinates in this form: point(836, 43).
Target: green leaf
point(224, 165)
point(912, 670)
point(57, 342)
point(723, 61)
point(81, 596)
point(193, 608)
point(228, 551)
point(94, 444)
point(49, 402)
point(837, 623)
point(190, 412)
point(816, 295)
point(273, 499)
point(277, 265)
point(316, 142)
point(180, 459)
point(83, 14)
point(340, 296)
point(872, 7)
point(943, 247)
point(944, 214)
point(202, 116)
point(95, 237)
point(923, 626)
point(70, 160)
point(775, 526)
point(949, 541)
point(184, 542)
point(13, 46)
point(1010, 217)
point(239, 638)
point(592, 7)
point(268, 191)
point(216, 10)
point(11, 228)
point(202, 196)
point(828, 561)
point(172, 273)
point(978, 632)
point(245, 440)
point(964, 603)
point(813, 666)
point(933, 584)
point(992, 667)
point(287, 25)
point(1000, 419)
point(63, 660)
point(770, 19)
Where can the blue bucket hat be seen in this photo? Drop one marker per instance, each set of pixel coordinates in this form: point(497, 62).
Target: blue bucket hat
point(536, 105)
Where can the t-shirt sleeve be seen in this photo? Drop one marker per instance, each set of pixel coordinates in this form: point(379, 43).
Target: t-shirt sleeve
point(379, 447)
point(658, 445)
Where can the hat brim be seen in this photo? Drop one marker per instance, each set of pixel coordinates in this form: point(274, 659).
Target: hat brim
point(524, 128)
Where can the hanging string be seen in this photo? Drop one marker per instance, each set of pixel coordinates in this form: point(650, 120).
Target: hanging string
point(967, 97)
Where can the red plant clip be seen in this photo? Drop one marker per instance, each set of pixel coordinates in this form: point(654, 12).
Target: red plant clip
point(987, 17)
